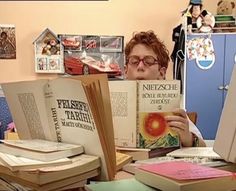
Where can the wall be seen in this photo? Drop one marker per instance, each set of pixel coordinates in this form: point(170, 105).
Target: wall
point(113, 17)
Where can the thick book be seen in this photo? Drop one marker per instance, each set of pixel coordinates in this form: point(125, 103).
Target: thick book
point(143, 154)
point(15, 163)
point(54, 185)
point(40, 176)
point(118, 185)
point(200, 152)
point(184, 176)
point(139, 109)
point(39, 149)
point(74, 110)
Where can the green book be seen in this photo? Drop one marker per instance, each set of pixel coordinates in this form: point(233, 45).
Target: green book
point(118, 185)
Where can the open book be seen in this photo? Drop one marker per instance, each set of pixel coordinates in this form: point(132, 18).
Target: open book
point(139, 109)
point(76, 111)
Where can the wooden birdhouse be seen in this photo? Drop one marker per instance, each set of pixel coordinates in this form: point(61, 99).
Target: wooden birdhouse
point(48, 53)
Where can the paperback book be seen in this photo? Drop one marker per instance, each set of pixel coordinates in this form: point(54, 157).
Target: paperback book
point(15, 163)
point(45, 175)
point(118, 185)
point(139, 109)
point(39, 149)
point(184, 176)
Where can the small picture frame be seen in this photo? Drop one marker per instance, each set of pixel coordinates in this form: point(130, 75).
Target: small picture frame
point(111, 44)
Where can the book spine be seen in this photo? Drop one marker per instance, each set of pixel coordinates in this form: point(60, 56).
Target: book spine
point(52, 111)
point(137, 117)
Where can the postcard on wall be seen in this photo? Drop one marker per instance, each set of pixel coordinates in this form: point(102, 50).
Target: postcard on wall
point(7, 42)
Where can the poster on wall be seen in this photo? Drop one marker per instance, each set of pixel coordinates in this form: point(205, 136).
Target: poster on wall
point(7, 42)
point(93, 54)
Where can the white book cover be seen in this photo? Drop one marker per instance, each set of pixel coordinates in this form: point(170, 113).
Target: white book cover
point(139, 108)
point(201, 152)
point(15, 163)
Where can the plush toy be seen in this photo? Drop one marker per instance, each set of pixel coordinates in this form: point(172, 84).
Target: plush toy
point(225, 7)
point(198, 18)
point(224, 13)
point(52, 47)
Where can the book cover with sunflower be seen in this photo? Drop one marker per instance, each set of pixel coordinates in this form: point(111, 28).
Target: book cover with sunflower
point(157, 99)
point(154, 131)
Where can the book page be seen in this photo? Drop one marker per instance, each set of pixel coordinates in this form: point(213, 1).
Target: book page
point(157, 99)
point(124, 106)
point(74, 119)
point(27, 105)
point(21, 163)
point(104, 109)
point(203, 152)
point(40, 145)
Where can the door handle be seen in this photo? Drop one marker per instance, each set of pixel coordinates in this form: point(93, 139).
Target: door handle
point(226, 87)
point(221, 88)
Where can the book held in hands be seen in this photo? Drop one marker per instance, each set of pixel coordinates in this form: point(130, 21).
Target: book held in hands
point(73, 110)
point(139, 109)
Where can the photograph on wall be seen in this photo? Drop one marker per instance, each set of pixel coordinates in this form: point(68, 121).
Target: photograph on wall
point(49, 53)
point(7, 42)
point(71, 42)
point(111, 44)
point(94, 54)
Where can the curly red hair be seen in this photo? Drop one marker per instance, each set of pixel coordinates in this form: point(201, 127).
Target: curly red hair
point(150, 40)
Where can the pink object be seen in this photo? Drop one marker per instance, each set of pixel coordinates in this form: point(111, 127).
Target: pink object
point(11, 126)
point(181, 170)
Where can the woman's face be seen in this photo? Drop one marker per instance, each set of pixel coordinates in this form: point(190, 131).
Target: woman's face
point(142, 71)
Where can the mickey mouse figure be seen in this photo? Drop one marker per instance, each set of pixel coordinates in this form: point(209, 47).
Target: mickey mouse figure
point(195, 14)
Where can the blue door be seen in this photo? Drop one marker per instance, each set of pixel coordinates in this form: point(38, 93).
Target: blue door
point(204, 89)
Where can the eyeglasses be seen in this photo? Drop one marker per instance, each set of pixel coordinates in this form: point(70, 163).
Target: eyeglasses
point(147, 60)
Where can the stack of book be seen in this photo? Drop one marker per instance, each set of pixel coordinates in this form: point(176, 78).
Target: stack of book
point(73, 110)
point(81, 168)
point(36, 153)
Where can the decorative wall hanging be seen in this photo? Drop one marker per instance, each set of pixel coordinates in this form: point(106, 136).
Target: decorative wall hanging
point(7, 42)
point(202, 50)
point(48, 53)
